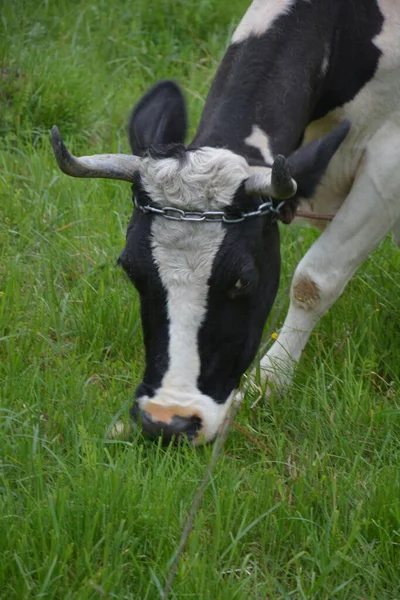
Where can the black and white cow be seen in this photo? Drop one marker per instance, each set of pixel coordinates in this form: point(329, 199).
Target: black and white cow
point(296, 73)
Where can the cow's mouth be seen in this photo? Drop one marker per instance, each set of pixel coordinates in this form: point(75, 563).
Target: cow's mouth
point(158, 421)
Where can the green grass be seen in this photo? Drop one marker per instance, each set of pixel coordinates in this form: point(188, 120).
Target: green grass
point(307, 503)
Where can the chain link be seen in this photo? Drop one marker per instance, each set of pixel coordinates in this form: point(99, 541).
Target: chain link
point(177, 214)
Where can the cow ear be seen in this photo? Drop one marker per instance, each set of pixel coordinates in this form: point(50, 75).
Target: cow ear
point(158, 118)
point(308, 164)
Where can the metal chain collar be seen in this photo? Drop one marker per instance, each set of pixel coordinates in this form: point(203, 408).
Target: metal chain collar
point(177, 214)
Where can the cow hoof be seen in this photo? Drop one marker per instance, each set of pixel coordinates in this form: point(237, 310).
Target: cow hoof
point(276, 375)
point(120, 431)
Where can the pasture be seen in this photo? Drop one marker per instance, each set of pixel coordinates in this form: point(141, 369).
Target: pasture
point(305, 499)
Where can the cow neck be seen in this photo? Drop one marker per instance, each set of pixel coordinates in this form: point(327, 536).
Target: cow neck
point(267, 87)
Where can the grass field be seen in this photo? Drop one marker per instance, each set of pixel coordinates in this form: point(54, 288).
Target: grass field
point(305, 501)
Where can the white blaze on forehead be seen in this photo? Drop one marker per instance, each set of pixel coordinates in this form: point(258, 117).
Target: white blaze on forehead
point(259, 139)
point(184, 252)
point(259, 18)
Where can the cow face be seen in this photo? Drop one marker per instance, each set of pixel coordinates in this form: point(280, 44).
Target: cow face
point(206, 288)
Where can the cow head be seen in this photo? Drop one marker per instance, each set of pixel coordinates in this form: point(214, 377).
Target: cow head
point(206, 288)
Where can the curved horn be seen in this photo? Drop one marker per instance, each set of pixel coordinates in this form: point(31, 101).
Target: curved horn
point(109, 166)
point(275, 182)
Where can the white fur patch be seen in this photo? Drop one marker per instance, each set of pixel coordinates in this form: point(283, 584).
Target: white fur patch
point(259, 139)
point(184, 253)
point(388, 40)
point(259, 17)
point(205, 179)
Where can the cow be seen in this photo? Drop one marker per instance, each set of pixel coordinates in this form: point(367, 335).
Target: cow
point(304, 111)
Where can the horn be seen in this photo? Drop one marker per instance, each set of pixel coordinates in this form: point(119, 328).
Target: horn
point(109, 166)
point(275, 182)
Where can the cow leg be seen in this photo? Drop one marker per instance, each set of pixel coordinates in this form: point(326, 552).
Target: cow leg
point(366, 216)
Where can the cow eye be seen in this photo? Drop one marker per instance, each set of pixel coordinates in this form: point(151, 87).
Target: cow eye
point(241, 287)
point(240, 284)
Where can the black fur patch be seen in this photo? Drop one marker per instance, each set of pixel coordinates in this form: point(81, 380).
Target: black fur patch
point(353, 55)
point(177, 151)
point(276, 81)
point(231, 332)
point(137, 261)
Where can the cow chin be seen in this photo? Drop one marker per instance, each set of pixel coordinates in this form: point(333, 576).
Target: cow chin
point(173, 414)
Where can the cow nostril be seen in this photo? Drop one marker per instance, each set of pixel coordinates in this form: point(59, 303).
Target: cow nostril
point(193, 428)
point(176, 427)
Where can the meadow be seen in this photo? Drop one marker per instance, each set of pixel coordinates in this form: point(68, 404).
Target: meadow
point(305, 499)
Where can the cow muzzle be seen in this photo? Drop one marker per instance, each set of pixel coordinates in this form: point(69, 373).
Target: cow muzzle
point(165, 425)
